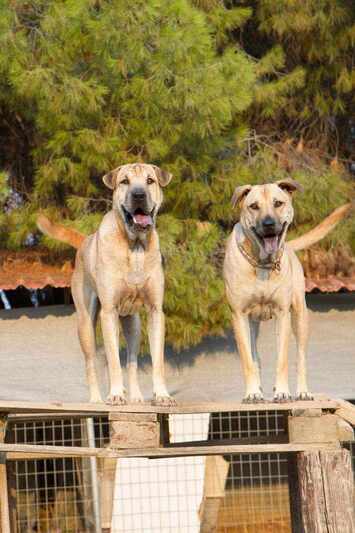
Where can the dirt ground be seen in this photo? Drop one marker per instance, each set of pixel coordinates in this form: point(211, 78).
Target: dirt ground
point(40, 357)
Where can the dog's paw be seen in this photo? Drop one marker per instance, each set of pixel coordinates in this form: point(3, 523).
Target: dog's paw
point(116, 399)
point(256, 397)
point(96, 399)
point(304, 396)
point(282, 397)
point(164, 401)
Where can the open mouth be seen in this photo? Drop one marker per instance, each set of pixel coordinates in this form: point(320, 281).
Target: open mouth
point(270, 242)
point(139, 219)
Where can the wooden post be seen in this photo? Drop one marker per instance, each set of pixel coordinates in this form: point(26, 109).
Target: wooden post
point(321, 482)
point(322, 497)
point(108, 479)
point(216, 471)
point(4, 495)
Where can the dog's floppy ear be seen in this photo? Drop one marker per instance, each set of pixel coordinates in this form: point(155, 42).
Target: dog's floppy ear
point(109, 179)
point(239, 194)
point(163, 176)
point(289, 185)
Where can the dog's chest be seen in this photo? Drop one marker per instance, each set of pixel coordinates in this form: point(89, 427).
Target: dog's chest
point(131, 300)
point(132, 293)
point(260, 310)
point(264, 301)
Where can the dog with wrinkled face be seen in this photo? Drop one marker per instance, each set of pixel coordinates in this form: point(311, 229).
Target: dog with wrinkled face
point(118, 270)
point(264, 279)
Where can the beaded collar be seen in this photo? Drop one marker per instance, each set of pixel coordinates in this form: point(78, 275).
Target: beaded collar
point(274, 265)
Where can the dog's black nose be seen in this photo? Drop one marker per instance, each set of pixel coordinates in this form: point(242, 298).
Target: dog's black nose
point(268, 222)
point(138, 194)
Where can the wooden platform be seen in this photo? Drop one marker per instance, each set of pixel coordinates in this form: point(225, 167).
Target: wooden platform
point(313, 437)
point(141, 430)
point(90, 409)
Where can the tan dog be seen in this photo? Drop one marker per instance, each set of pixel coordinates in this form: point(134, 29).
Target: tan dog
point(118, 269)
point(264, 279)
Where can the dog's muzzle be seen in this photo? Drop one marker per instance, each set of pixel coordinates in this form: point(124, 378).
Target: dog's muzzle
point(269, 235)
point(139, 218)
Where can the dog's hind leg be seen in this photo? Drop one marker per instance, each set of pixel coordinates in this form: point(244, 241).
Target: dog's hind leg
point(299, 317)
point(242, 333)
point(86, 304)
point(131, 326)
point(156, 334)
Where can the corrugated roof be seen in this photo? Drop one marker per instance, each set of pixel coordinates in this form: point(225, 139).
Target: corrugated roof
point(31, 270)
point(330, 284)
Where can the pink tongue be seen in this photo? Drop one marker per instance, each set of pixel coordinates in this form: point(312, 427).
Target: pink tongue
point(270, 245)
point(143, 220)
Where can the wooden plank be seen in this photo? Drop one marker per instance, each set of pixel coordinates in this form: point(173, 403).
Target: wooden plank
point(209, 515)
point(18, 456)
point(323, 428)
point(325, 487)
point(132, 430)
point(13, 450)
point(346, 411)
point(216, 471)
point(4, 497)
point(4, 493)
point(108, 481)
point(7, 406)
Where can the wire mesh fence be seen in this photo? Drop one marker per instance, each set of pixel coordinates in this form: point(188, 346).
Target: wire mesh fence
point(55, 495)
point(172, 495)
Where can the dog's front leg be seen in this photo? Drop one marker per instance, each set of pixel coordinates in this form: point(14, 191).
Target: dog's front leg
point(241, 329)
point(109, 325)
point(281, 389)
point(156, 334)
point(299, 321)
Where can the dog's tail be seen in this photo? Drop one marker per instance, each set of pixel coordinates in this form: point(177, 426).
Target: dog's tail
point(59, 232)
point(320, 231)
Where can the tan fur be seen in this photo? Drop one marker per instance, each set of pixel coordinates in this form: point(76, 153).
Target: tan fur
point(255, 293)
point(118, 269)
point(320, 231)
point(60, 233)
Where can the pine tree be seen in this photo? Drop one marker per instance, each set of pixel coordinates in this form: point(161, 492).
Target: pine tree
point(311, 44)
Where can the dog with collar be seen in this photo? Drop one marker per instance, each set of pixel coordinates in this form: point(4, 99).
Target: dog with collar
point(264, 279)
point(118, 270)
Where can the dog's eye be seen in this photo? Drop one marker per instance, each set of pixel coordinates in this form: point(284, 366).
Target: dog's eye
point(278, 203)
point(254, 206)
point(150, 181)
point(125, 181)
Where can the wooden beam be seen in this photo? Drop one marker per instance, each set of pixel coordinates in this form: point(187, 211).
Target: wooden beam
point(216, 471)
point(346, 411)
point(134, 430)
point(108, 482)
point(4, 493)
point(13, 450)
point(181, 408)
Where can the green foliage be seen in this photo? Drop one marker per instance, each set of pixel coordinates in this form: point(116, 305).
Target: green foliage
point(317, 39)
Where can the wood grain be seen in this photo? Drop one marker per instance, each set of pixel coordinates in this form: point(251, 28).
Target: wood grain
point(325, 502)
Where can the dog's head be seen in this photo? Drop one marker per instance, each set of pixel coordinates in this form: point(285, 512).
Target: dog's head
point(266, 212)
point(137, 195)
